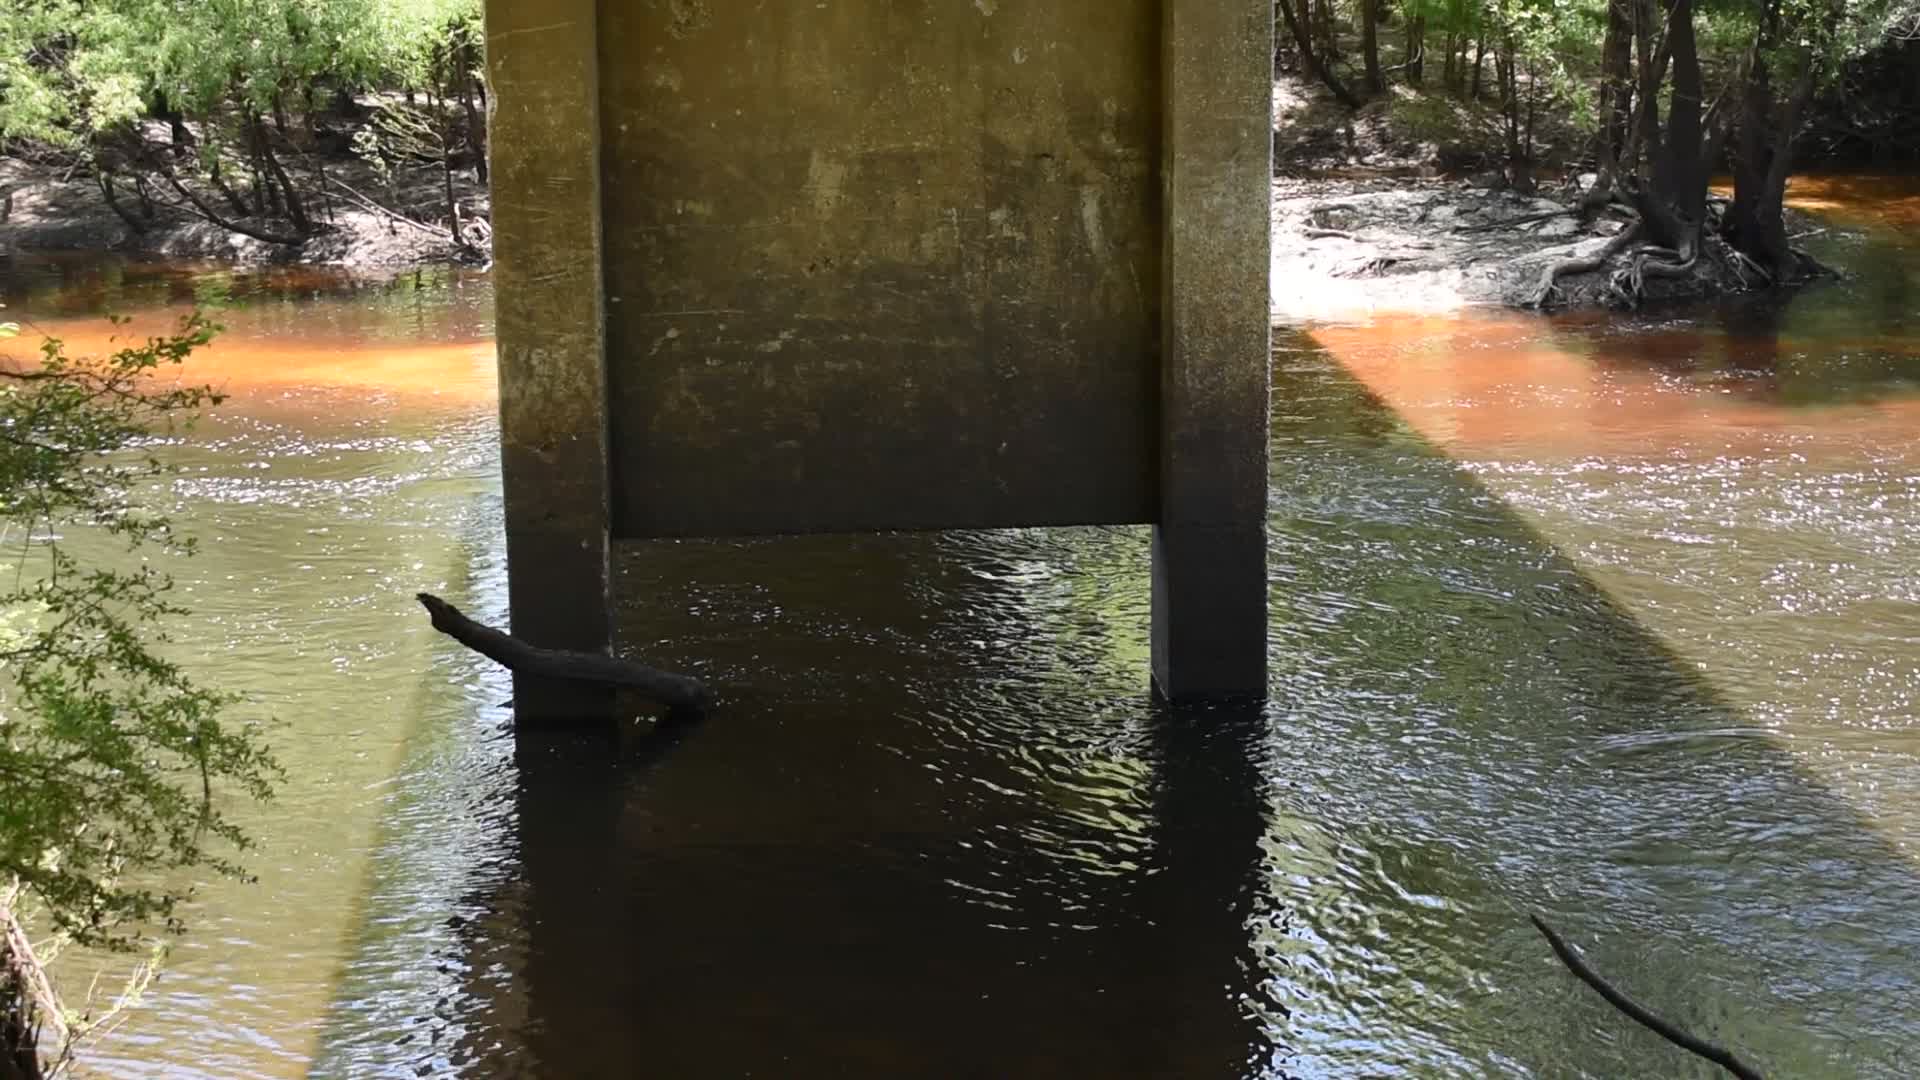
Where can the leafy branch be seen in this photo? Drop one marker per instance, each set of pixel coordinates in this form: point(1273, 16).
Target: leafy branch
point(111, 756)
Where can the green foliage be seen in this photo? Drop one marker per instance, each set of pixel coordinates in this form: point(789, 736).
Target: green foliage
point(112, 760)
point(72, 67)
point(1439, 119)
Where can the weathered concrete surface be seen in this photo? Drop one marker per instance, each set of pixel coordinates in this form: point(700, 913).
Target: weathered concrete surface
point(883, 263)
point(886, 264)
point(547, 286)
point(1209, 555)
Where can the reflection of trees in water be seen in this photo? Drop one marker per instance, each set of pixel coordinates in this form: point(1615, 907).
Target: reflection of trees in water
point(1828, 343)
point(427, 304)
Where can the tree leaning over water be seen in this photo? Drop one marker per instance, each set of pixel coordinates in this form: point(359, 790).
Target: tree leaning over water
point(115, 765)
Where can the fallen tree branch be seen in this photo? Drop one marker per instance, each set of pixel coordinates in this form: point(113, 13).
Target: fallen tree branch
point(1637, 1012)
point(665, 687)
point(367, 203)
point(48, 1036)
point(29, 974)
point(199, 207)
point(1326, 234)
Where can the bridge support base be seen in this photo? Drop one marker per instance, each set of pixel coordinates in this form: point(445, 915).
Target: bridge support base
point(1209, 613)
point(1209, 550)
point(551, 325)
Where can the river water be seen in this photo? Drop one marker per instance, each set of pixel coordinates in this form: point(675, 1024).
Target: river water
point(1608, 619)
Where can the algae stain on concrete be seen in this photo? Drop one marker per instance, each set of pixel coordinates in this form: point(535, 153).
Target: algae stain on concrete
point(688, 17)
point(826, 181)
point(1090, 220)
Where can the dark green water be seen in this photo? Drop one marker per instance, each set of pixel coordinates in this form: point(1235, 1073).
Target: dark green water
point(1610, 620)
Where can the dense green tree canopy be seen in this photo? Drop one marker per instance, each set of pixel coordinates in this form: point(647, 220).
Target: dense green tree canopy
point(69, 68)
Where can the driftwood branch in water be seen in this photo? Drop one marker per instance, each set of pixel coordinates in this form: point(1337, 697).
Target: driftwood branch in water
point(1718, 1055)
point(665, 687)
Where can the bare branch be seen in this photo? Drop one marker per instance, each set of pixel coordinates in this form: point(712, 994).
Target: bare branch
point(1637, 1012)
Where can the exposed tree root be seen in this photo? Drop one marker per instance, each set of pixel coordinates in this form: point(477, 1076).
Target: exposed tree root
point(1629, 284)
point(1813, 267)
point(1548, 290)
point(1741, 264)
point(1516, 222)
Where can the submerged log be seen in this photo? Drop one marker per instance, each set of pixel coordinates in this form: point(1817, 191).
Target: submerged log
point(1639, 1013)
point(665, 687)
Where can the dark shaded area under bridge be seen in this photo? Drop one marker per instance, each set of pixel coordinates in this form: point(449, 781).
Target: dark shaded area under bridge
point(993, 855)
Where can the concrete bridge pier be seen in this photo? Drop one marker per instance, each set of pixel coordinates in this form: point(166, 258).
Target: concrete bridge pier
point(884, 264)
point(1216, 176)
point(550, 326)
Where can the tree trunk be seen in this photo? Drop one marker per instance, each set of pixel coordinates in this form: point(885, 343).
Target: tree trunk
point(453, 204)
point(1651, 59)
point(1479, 61)
point(1416, 49)
point(266, 197)
point(1370, 45)
point(146, 195)
point(1329, 43)
point(1296, 25)
point(476, 127)
point(1533, 99)
point(1678, 178)
point(226, 191)
point(1616, 80)
point(104, 179)
point(20, 1019)
point(1763, 156)
point(177, 130)
point(295, 207)
point(479, 132)
point(450, 140)
point(1519, 169)
point(212, 215)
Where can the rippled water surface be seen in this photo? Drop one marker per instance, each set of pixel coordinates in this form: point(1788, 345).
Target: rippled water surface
point(1612, 620)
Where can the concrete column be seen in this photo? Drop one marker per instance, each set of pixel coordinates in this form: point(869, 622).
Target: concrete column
point(1209, 548)
point(545, 153)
